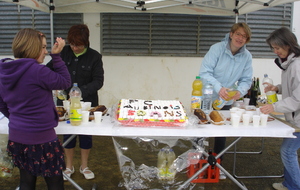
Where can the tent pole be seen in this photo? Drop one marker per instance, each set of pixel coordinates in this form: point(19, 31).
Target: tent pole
point(51, 8)
point(51, 28)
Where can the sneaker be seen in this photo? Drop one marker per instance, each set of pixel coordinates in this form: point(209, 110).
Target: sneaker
point(88, 174)
point(222, 175)
point(69, 172)
point(279, 186)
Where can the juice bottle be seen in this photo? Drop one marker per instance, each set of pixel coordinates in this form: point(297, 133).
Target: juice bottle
point(271, 95)
point(75, 107)
point(220, 102)
point(162, 164)
point(196, 93)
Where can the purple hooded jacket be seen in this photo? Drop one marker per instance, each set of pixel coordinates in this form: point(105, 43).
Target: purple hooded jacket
point(26, 97)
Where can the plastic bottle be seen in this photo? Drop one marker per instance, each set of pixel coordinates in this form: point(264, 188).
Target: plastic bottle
point(171, 169)
point(213, 171)
point(75, 107)
point(196, 93)
point(220, 102)
point(162, 164)
point(207, 98)
point(271, 95)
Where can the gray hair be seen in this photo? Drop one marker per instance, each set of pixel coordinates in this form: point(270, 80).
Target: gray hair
point(284, 37)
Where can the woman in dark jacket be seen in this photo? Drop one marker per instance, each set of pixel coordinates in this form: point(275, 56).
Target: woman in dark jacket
point(86, 69)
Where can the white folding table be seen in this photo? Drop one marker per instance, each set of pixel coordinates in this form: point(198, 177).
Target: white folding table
point(109, 127)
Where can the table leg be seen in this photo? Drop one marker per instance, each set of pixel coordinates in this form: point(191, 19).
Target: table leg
point(65, 175)
point(250, 177)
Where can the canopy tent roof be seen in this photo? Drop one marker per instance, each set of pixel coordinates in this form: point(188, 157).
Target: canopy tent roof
point(198, 7)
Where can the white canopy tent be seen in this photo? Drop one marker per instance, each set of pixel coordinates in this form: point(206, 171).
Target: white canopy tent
point(196, 7)
point(202, 7)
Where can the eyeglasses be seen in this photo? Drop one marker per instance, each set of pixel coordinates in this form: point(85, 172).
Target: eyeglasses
point(241, 35)
point(79, 47)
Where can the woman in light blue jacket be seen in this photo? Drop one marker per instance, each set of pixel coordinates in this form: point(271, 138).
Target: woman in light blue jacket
point(228, 63)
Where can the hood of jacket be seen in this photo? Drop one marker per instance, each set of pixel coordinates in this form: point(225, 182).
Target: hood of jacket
point(284, 65)
point(11, 71)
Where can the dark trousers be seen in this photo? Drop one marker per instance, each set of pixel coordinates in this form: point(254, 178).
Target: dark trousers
point(220, 142)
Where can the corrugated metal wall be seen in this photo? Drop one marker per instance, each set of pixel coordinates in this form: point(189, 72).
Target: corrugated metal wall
point(14, 18)
point(185, 35)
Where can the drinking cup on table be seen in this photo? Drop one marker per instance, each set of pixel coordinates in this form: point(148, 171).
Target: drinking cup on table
point(246, 102)
point(251, 115)
point(256, 120)
point(235, 120)
point(257, 111)
point(82, 104)
point(97, 116)
point(85, 116)
point(246, 119)
point(263, 119)
point(234, 109)
point(66, 104)
point(87, 106)
point(239, 113)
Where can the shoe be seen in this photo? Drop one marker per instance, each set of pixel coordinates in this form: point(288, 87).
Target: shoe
point(279, 186)
point(69, 172)
point(222, 175)
point(88, 174)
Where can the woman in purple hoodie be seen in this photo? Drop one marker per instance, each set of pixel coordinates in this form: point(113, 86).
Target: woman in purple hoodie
point(26, 100)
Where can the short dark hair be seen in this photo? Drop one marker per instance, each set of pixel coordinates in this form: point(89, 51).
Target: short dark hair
point(78, 35)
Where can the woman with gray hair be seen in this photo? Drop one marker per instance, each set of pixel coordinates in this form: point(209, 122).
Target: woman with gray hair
point(284, 43)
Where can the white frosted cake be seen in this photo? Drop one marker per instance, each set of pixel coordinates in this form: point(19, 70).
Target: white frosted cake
point(151, 112)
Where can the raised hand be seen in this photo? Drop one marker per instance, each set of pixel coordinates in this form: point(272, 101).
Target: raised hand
point(58, 45)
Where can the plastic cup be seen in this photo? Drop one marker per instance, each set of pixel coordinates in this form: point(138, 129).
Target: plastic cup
point(246, 119)
point(256, 120)
point(235, 120)
point(85, 116)
point(258, 111)
point(97, 116)
point(263, 119)
point(66, 104)
point(246, 102)
point(251, 115)
point(87, 106)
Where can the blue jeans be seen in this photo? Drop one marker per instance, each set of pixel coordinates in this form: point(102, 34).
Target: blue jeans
point(290, 162)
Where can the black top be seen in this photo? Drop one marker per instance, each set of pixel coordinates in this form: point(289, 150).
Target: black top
point(86, 70)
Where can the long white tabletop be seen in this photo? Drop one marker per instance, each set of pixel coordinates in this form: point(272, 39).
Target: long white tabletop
point(109, 127)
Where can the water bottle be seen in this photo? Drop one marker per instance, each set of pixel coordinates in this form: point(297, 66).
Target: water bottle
point(75, 107)
point(171, 169)
point(207, 98)
point(162, 164)
point(196, 93)
point(271, 95)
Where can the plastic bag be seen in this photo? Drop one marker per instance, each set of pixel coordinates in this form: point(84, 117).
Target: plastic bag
point(6, 163)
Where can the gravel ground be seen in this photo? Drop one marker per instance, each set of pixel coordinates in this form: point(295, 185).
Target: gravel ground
point(104, 163)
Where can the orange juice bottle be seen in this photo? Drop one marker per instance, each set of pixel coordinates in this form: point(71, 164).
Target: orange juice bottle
point(196, 93)
point(220, 102)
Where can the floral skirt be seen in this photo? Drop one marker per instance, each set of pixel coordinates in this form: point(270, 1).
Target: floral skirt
point(45, 159)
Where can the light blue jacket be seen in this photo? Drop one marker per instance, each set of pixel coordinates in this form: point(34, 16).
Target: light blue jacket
point(222, 69)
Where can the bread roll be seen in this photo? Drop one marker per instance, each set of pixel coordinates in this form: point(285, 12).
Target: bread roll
point(216, 116)
point(201, 115)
